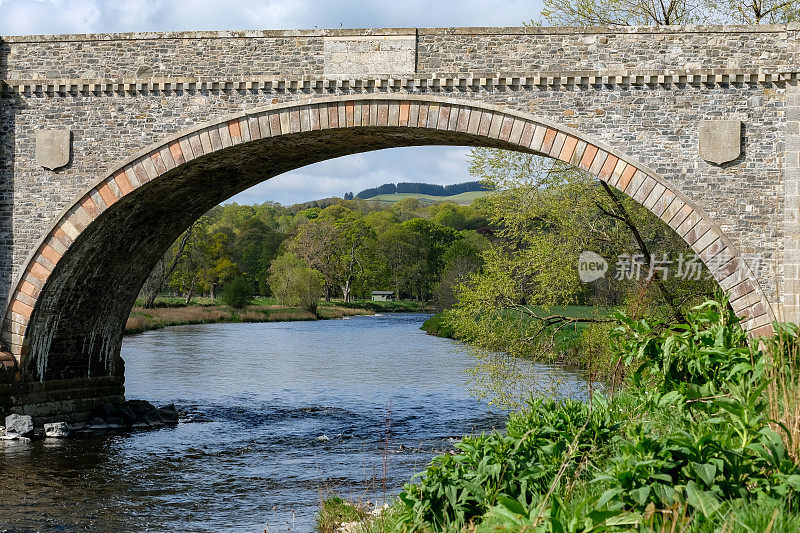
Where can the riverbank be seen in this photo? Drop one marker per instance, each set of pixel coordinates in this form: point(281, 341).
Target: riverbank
point(702, 437)
point(172, 312)
point(577, 345)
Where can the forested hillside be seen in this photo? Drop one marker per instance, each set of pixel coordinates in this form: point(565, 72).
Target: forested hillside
point(352, 246)
point(419, 188)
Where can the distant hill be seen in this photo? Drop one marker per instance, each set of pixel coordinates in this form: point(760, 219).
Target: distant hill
point(322, 203)
point(465, 198)
point(420, 189)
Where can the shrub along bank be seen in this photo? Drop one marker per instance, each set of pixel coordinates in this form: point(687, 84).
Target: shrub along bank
point(172, 312)
point(702, 437)
point(577, 344)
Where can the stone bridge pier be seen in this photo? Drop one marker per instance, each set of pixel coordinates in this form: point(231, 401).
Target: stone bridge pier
point(111, 145)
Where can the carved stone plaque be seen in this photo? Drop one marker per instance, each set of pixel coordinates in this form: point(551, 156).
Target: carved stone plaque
point(720, 140)
point(53, 148)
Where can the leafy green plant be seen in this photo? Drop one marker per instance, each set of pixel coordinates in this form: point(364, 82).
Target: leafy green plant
point(549, 441)
point(723, 445)
point(510, 515)
point(695, 358)
point(689, 442)
point(238, 294)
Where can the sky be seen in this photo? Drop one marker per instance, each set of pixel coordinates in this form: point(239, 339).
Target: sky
point(443, 165)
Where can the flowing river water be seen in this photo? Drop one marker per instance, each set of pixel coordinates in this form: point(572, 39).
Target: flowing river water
point(274, 417)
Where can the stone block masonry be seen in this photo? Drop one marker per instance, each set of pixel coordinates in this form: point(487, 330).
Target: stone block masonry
point(153, 114)
point(369, 55)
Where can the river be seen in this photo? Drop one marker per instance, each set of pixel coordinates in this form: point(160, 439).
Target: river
point(274, 417)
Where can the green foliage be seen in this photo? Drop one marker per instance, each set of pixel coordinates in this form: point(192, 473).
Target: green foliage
point(238, 293)
point(357, 246)
point(668, 12)
point(336, 511)
point(694, 358)
point(620, 12)
point(689, 441)
point(501, 339)
point(544, 214)
point(549, 441)
point(776, 517)
point(295, 284)
point(254, 246)
point(439, 326)
point(592, 351)
point(459, 262)
point(723, 445)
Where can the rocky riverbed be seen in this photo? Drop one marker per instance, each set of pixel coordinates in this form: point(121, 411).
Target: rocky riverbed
point(125, 416)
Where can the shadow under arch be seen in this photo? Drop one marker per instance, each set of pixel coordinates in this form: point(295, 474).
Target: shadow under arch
point(67, 309)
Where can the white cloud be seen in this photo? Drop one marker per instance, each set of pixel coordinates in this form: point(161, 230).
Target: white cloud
point(430, 164)
point(330, 178)
point(22, 17)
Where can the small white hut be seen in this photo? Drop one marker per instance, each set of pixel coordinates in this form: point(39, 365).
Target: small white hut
point(382, 296)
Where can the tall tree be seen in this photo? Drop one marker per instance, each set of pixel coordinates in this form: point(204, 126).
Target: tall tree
point(189, 276)
point(404, 253)
point(166, 267)
point(436, 239)
point(620, 12)
point(204, 263)
point(335, 243)
point(317, 242)
point(755, 11)
point(255, 244)
point(667, 12)
point(295, 284)
point(356, 237)
point(461, 260)
point(547, 213)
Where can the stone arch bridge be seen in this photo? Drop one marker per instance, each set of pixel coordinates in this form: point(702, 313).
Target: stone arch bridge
point(111, 145)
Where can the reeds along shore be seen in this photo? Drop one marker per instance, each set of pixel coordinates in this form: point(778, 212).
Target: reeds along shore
point(173, 312)
point(142, 319)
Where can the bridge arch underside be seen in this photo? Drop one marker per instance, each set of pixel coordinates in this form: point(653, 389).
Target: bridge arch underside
point(67, 313)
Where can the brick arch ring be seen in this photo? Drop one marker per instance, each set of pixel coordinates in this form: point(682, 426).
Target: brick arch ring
point(68, 306)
